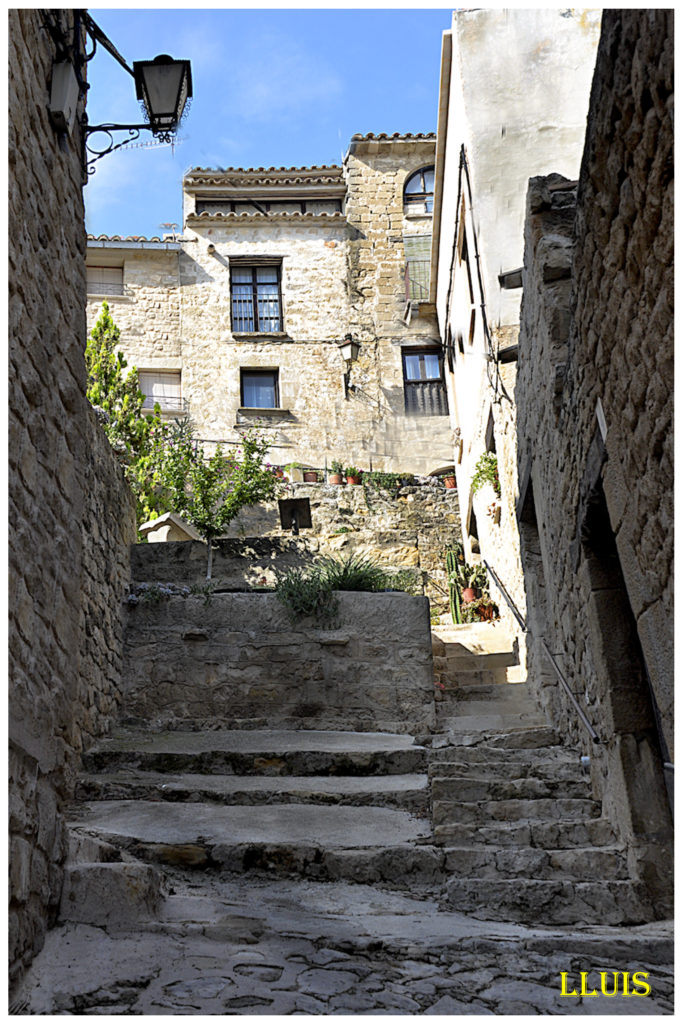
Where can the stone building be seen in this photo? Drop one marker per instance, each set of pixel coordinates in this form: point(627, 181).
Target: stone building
point(72, 516)
point(513, 100)
point(595, 382)
point(238, 321)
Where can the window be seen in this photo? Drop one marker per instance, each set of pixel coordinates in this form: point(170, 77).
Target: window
point(162, 388)
point(423, 383)
point(104, 280)
point(256, 302)
point(259, 389)
point(418, 193)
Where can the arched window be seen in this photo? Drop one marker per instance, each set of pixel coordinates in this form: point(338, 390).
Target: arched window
point(418, 194)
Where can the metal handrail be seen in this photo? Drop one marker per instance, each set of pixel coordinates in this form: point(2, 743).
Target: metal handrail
point(510, 603)
point(550, 656)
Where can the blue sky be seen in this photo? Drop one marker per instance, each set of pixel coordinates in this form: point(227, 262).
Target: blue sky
point(272, 87)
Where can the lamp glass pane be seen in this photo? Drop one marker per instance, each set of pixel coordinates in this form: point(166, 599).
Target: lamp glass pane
point(162, 87)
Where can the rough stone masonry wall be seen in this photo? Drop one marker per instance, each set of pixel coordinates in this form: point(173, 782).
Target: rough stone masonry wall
point(148, 314)
point(408, 529)
point(71, 514)
point(376, 174)
point(608, 338)
point(240, 661)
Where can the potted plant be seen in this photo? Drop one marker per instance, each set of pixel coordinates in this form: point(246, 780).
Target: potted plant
point(469, 579)
point(352, 474)
point(336, 472)
point(294, 473)
point(310, 476)
point(486, 472)
point(449, 482)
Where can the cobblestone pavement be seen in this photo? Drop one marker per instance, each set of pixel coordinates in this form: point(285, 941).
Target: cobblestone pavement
point(243, 947)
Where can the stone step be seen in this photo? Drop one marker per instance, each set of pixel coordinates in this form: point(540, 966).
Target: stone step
point(259, 752)
point(462, 679)
point(454, 658)
point(500, 693)
point(354, 843)
point(457, 706)
point(528, 758)
point(408, 792)
point(587, 864)
point(545, 835)
point(486, 812)
point(498, 770)
point(478, 638)
point(486, 723)
point(483, 789)
point(526, 739)
point(545, 902)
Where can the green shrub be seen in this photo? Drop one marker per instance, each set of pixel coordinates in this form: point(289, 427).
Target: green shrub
point(306, 594)
point(486, 472)
point(353, 572)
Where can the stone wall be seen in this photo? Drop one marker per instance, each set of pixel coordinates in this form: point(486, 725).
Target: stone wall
point(72, 516)
point(408, 529)
point(596, 385)
point(240, 661)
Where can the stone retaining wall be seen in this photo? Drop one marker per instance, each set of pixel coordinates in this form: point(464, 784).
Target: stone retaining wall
point(239, 661)
point(72, 516)
point(406, 529)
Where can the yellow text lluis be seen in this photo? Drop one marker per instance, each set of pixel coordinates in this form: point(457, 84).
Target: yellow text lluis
point(610, 984)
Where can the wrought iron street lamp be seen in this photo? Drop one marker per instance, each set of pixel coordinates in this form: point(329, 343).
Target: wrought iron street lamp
point(349, 349)
point(163, 85)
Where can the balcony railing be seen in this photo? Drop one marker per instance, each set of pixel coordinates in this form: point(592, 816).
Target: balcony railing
point(167, 403)
point(417, 280)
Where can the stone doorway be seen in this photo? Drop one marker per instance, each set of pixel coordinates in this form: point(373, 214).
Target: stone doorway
point(636, 750)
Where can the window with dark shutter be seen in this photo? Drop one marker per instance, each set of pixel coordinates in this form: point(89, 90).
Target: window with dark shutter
point(423, 383)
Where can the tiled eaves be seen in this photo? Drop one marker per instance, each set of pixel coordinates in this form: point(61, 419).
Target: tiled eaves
point(232, 218)
point(397, 136)
point(237, 177)
point(128, 238)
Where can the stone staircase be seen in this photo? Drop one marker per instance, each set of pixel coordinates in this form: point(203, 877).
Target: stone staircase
point(514, 810)
point(487, 808)
point(315, 804)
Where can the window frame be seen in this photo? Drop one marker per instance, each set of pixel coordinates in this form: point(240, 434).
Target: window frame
point(416, 385)
point(180, 408)
point(261, 371)
point(413, 200)
point(253, 265)
point(104, 290)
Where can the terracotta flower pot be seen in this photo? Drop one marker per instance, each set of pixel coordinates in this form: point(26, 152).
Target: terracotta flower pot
point(310, 477)
point(353, 479)
point(449, 482)
point(336, 478)
point(469, 594)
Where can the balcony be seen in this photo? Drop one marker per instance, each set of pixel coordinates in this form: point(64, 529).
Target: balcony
point(417, 280)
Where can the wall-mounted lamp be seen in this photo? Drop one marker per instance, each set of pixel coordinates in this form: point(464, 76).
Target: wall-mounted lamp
point(163, 85)
point(349, 349)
